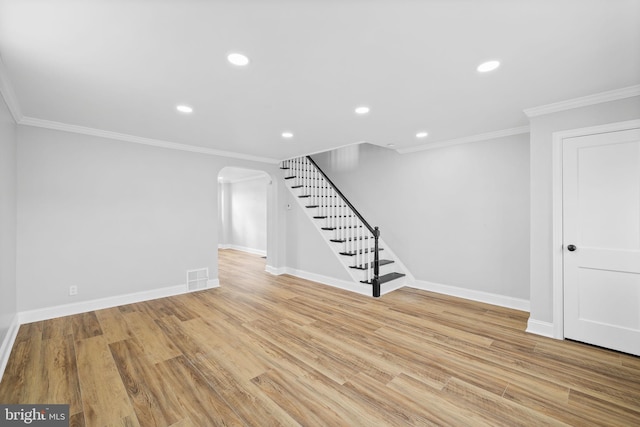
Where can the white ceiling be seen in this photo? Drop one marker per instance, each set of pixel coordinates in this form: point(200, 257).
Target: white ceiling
point(123, 66)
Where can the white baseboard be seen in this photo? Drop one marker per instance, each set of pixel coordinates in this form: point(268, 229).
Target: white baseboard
point(331, 281)
point(486, 297)
point(260, 252)
point(276, 271)
point(7, 343)
point(98, 304)
point(385, 288)
point(539, 327)
point(83, 307)
point(360, 288)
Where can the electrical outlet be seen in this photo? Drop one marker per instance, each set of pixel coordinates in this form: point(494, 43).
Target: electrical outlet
point(73, 290)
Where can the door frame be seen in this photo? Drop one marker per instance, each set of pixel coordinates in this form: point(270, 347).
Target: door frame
point(557, 201)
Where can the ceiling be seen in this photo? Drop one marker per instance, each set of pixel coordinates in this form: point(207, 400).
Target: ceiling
point(122, 66)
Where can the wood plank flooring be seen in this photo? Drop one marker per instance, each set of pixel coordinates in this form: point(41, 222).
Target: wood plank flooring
point(263, 350)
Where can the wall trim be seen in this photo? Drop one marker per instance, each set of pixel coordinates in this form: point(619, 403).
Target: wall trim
point(557, 266)
point(539, 327)
point(466, 140)
point(7, 343)
point(253, 251)
point(98, 304)
point(323, 150)
point(212, 283)
point(359, 288)
point(48, 124)
point(480, 296)
point(276, 271)
point(347, 285)
point(584, 101)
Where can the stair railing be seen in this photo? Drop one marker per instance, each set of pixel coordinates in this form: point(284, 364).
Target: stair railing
point(339, 218)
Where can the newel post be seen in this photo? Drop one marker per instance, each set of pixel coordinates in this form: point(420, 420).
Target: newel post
point(376, 264)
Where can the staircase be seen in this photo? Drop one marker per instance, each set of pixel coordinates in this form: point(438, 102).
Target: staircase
point(356, 243)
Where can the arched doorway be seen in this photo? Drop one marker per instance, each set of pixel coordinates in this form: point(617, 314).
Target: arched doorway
point(243, 210)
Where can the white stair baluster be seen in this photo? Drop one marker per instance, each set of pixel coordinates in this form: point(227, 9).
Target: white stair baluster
point(343, 221)
point(370, 266)
point(325, 199)
point(314, 196)
point(306, 177)
point(316, 180)
point(354, 235)
point(303, 172)
point(360, 245)
point(349, 238)
point(340, 220)
point(311, 184)
point(332, 220)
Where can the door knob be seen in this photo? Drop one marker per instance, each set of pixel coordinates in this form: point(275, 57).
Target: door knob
point(571, 248)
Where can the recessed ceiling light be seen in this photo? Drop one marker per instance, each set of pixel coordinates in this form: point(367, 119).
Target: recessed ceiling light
point(287, 135)
point(488, 66)
point(184, 109)
point(391, 145)
point(238, 59)
point(362, 110)
point(422, 134)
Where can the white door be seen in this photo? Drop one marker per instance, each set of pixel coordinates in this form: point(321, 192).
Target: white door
point(601, 241)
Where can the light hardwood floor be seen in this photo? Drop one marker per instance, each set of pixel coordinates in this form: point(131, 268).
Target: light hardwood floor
point(265, 350)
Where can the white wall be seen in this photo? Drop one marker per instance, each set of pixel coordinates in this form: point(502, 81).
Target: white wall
point(456, 216)
point(8, 298)
point(307, 249)
point(244, 214)
point(111, 217)
point(542, 129)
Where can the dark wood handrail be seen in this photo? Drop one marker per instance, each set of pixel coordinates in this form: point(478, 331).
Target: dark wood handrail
point(355, 211)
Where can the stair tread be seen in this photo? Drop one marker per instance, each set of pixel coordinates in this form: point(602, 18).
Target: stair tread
point(349, 240)
point(318, 196)
point(340, 228)
point(366, 251)
point(386, 278)
point(366, 266)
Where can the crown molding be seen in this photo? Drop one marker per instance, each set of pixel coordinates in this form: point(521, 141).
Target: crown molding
point(324, 150)
point(584, 101)
point(48, 124)
point(465, 140)
point(6, 89)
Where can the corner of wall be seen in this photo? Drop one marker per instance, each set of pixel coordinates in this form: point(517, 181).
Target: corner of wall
point(7, 343)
